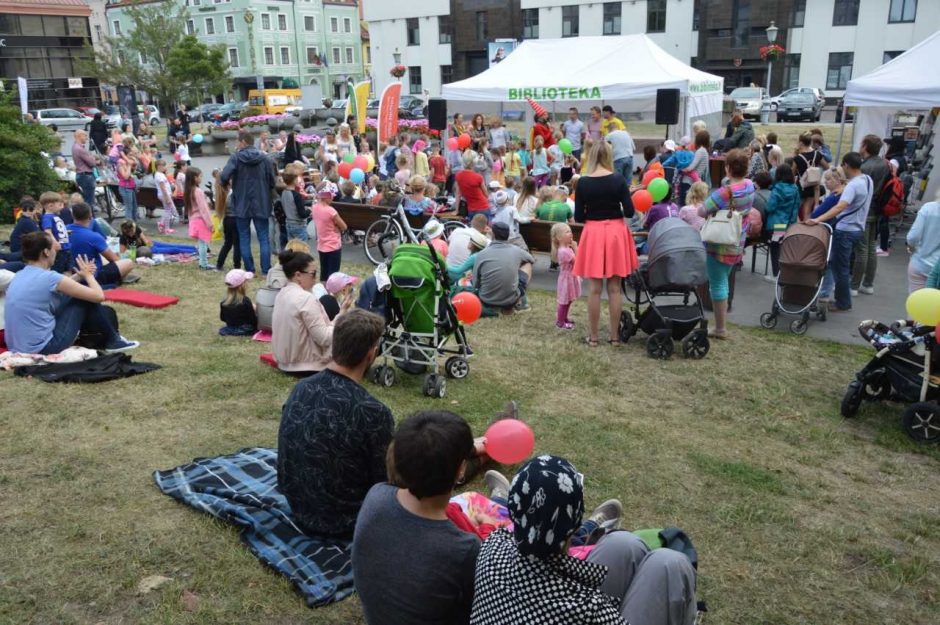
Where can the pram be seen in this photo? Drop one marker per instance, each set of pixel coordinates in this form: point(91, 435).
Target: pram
point(903, 371)
point(420, 321)
point(804, 254)
point(675, 267)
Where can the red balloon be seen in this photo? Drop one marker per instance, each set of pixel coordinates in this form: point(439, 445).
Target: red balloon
point(642, 200)
point(650, 175)
point(344, 169)
point(464, 141)
point(453, 144)
point(467, 306)
point(361, 162)
point(509, 441)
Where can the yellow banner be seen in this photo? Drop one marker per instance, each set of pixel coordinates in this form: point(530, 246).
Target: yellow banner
point(362, 100)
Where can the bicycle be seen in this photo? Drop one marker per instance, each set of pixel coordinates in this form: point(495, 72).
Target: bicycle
point(389, 231)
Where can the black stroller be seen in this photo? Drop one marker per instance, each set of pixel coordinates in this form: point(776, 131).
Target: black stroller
point(675, 267)
point(902, 371)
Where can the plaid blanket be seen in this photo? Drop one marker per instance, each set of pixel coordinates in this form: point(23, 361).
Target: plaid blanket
point(242, 489)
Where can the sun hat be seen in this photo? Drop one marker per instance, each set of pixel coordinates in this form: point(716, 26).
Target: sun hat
point(433, 229)
point(501, 197)
point(670, 145)
point(237, 277)
point(478, 239)
point(339, 281)
point(327, 189)
point(494, 184)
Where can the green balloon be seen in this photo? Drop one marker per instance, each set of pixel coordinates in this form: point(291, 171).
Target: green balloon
point(349, 157)
point(658, 188)
point(565, 146)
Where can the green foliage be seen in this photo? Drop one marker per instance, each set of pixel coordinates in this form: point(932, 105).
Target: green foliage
point(25, 169)
point(199, 70)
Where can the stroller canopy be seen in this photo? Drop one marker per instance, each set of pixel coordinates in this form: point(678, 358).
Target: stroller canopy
point(805, 247)
point(676, 255)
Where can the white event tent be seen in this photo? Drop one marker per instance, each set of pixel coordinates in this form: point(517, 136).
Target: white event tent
point(624, 72)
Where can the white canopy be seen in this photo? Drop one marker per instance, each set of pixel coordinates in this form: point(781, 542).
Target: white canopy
point(627, 69)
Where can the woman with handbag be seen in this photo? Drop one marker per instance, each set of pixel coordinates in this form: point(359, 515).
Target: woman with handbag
point(606, 249)
point(725, 232)
point(810, 165)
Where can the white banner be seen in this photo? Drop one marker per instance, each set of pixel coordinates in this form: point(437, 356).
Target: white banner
point(22, 88)
point(75, 83)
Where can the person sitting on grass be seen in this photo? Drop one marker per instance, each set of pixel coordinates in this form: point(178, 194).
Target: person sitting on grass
point(133, 237)
point(459, 275)
point(501, 273)
point(89, 244)
point(27, 222)
point(338, 287)
point(45, 311)
point(333, 434)
point(237, 309)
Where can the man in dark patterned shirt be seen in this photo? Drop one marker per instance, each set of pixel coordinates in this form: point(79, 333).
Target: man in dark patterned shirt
point(334, 434)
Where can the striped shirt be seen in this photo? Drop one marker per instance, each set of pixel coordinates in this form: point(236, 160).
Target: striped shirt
point(741, 198)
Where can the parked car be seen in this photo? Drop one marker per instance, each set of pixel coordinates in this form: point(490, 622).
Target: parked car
point(228, 112)
point(203, 112)
point(149, 113)
point(116, 115)
point(64, 119)
point(748, 100)
point(799, 106)
point(89, 111)
point(816, 93)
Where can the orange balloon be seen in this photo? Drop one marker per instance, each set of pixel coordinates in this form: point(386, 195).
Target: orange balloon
point(642, 200)
point(467, 306)
point(464, 141)
point(650, 175)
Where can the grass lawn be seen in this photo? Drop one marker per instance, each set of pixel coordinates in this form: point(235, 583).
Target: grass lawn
point(799, 517)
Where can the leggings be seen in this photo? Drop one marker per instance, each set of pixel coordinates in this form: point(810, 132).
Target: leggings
point(774, 257)
point(561, 317)
point(718, 273)
point(329, 263)
point(230, 244)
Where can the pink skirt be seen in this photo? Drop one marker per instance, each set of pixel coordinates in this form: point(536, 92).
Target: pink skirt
point(199, 230)
point(605, 250)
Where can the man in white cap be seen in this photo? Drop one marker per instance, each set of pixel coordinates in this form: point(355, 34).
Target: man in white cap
point(459, 244)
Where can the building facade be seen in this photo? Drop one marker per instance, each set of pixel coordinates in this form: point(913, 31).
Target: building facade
point(45, 41)
point(277, 42)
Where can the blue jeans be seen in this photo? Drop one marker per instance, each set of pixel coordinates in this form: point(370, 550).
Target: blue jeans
point(297, 232)
point(244, 242)
point(843, 242)
point(625, 167)
point(129, 200)
point(74, 316)
point(86, 183)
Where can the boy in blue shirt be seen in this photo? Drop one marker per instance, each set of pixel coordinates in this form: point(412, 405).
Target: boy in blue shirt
point(52, 204)
point(88, 243)
point(24, 225)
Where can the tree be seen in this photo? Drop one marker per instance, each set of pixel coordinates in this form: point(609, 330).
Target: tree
point(198, 69)
point(25, 169)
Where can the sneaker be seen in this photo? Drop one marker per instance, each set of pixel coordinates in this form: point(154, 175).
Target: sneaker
point(770, 278)
point(854, 292)
point(523, 304)
point(566, 325)
point(131, 279)
point(122, 345)
point(607, 515)
point(867, 290)
point(497, 485)
point(881, 252)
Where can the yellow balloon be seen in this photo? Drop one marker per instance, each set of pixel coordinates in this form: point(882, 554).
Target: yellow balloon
point(923, 306)
point(371, 162)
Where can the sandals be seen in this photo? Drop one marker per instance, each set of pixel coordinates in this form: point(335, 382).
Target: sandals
point(614, 342)
point(590, 342)
point(712, 334)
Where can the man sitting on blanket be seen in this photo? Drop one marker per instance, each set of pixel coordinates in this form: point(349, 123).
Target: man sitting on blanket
point(334, 434)
point(88, 243)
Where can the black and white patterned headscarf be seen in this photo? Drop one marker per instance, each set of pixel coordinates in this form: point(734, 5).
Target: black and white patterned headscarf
point(546, 502)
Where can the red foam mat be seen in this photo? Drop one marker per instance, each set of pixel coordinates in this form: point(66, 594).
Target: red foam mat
point(268, 359)
point(141, 299)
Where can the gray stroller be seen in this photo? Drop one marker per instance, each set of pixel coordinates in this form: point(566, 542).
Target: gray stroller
point(675, 267)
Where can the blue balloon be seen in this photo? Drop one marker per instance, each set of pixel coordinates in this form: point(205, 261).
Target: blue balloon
point(357, 175)
point(197, 138)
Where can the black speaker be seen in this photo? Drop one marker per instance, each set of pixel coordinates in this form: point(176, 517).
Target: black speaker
point(437, 114)
point(667, 107)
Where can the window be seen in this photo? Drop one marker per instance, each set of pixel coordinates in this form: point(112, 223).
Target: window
point(98, 32)
point(902, 11)
point(282, 22)
point(891, 54)
point(334, 25)
point(696, 16)
point(798, 13)
point(845, 13)
point(336, 59)
point(612, 18)
point(530, 23)
point(210, 26)
point(840, 69)
point(285, 55)
point(791, 71)
point(190, 27)
point(310, 23)
point(368, 51)
point(347, 25)
point(569, 21)
point(229, 24)
point(233, 57)
point(447, 74)
point(349, 56)
point(414, 80)
point(269, 56)
point(445, 29)
point(265, 21)
point(481, 26)
point(313, 56)
point(741, 20)
point(414, 33)
point(656, 16)
point(116, 27)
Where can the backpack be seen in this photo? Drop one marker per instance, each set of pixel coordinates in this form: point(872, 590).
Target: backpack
point(812, 177)
point(891, 196)
point(755, 224)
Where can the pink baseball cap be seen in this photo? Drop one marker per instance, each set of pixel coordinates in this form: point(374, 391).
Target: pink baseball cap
point(237, 277)
point(339, 281)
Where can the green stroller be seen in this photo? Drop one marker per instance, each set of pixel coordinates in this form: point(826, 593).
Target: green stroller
point(421, 322)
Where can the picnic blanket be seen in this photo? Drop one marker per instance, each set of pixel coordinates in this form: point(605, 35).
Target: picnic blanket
point(160, 247)
point(140, 299)
point(242, 489)
point(101, 369)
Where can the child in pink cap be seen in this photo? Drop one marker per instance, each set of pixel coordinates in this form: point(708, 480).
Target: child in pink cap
point(330, 229)
point(339, 286)
point(237, 310)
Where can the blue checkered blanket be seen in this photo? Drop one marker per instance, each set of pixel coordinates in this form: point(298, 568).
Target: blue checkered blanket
point(242, 489)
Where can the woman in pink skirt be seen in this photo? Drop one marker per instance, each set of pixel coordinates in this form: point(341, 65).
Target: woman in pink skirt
point(606, 250)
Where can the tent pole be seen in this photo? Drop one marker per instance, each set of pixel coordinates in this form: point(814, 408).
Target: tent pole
point(841, 132)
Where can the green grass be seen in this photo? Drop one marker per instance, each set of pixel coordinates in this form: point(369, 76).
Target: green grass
point(799, 517)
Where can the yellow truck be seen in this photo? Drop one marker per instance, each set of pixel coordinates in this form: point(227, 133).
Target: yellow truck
point(274, 101)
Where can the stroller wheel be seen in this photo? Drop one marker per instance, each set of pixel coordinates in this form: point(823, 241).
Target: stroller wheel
point(696, 345)
point(876, 387)
point(852, 400)
point(457, 367)
point(659, 346)
point(768, 321)
point(627, 327)
point(799, 326)
point(435, 386)
point(822, 312)
point(385, 376)
point(922, 422)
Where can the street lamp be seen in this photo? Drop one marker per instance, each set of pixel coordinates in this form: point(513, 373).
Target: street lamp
point(771, 38)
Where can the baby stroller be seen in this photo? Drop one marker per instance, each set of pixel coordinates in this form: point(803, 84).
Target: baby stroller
point(903, 371)
point(675, 267)
point(420, 321)
point(804, 254)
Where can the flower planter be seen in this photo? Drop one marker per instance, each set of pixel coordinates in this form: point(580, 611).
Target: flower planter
point(223, 135)
point(309, 152)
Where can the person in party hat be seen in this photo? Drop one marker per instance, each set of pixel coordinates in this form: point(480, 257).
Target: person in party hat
point(541, 128)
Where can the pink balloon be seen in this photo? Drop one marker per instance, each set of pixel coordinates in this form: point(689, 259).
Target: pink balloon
point(452, 144)
point(509, 441)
